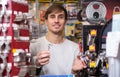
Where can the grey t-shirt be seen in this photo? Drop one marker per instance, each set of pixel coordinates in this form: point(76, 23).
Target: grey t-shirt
point(61, 55)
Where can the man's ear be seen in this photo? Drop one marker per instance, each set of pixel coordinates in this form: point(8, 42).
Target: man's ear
point(46, 22)
point(66, 21)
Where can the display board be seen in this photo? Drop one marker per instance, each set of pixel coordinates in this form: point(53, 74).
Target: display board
point(14, 38)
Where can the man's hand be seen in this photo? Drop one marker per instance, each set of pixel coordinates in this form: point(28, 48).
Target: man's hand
point(77, 65)
point(42, 58)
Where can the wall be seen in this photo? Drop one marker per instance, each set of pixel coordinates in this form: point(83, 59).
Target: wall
point(110, 4)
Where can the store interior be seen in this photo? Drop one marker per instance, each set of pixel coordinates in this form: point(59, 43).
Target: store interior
point(89, 22)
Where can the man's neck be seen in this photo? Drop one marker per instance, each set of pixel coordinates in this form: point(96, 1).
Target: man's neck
point(56, 39)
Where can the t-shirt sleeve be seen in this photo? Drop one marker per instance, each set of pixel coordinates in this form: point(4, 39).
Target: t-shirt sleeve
point(77, 52)
point(33, 53)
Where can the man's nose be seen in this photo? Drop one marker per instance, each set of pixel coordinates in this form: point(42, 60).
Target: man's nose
point(56, 19)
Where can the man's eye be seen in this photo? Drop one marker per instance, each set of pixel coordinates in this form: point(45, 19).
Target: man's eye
point(52, 16)
point(61, 17)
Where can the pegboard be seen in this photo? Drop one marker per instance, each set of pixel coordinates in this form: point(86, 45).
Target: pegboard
point(14, 38)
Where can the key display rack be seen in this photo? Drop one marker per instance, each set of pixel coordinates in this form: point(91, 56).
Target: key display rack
point(14, 38)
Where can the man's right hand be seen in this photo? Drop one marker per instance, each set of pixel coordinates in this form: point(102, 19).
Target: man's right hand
point(42, 57)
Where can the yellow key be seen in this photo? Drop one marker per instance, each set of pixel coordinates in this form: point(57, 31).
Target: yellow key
point(92, 64)
point(107, 65)
point(14, 51)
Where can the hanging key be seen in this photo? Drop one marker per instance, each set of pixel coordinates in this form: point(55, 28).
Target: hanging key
point(4, 31)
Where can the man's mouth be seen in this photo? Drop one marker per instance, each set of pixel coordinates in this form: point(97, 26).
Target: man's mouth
point(56, 26)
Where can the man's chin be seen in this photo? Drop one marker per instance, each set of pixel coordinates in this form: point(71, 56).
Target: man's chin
point(57, 32)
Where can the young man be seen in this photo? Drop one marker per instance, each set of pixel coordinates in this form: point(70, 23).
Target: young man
point(54, 53)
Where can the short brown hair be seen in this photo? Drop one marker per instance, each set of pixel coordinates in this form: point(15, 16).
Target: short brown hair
point(55, 7)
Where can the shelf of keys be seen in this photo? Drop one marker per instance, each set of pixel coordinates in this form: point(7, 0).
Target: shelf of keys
point(14, 38)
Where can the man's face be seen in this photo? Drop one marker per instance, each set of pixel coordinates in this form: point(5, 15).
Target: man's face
point(56, 21)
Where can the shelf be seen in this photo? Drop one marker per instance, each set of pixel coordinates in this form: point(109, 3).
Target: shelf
point(44, 1)
point(71, 1)
point(55, 1)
